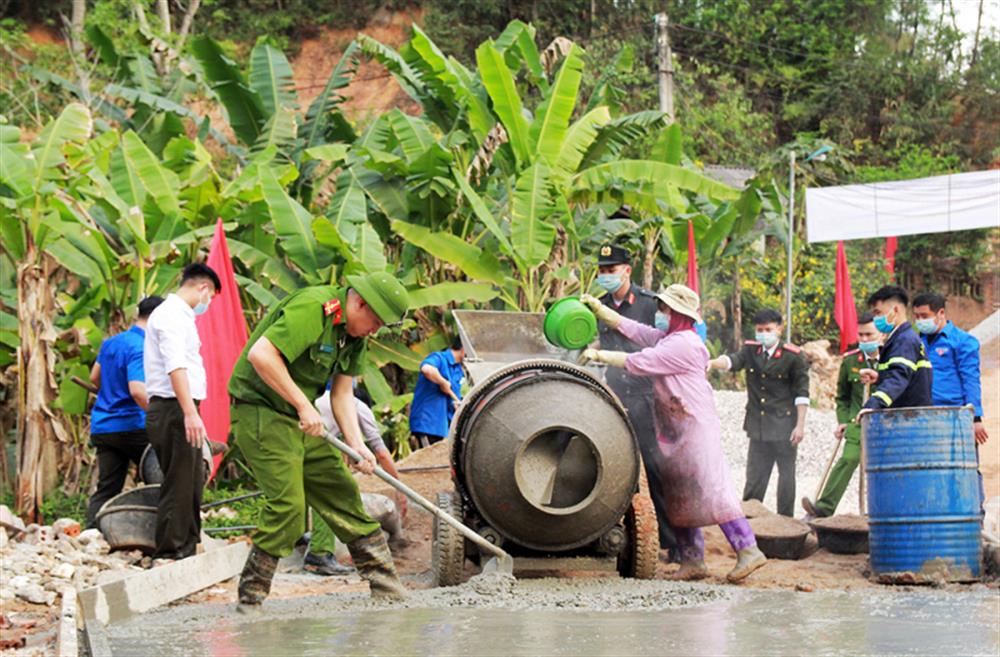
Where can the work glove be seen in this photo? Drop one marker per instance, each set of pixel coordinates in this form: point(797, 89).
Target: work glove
point(602, 312)
point(613, 358)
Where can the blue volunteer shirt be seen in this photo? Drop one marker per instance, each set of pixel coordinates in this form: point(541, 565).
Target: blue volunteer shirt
point(120, 359)
point(431, 410)
point(954, 355)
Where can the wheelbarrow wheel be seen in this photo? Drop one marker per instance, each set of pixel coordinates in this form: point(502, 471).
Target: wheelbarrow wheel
point(640, 555)
point(448, 550)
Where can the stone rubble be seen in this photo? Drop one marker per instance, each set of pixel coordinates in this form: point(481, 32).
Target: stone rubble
point(41, 560)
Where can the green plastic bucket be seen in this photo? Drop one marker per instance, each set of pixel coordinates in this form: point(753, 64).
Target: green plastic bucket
point(570, 324)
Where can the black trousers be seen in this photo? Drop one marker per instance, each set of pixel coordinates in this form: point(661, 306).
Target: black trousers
point(640, 412)
point(761, 458)
point(115, 451)
point(178, 518)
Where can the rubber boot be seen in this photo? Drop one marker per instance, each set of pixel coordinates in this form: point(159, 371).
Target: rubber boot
point(690, 571)
point(255, 580)
point(373, 560)
point(747, 560)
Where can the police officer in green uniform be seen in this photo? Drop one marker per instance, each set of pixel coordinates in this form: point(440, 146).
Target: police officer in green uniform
point(777, 401)
point(635, 392)
point(314, 334)
point(850, 400)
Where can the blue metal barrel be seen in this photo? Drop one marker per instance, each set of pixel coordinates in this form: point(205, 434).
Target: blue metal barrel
point(923, 494)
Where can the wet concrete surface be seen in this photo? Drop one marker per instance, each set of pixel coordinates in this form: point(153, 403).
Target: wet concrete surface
point(741, 622)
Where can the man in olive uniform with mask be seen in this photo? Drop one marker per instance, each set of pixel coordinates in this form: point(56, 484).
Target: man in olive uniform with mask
point(635, 392)
point(314, 334)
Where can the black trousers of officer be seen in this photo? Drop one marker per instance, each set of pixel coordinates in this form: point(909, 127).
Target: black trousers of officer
point(640, 412)
point(761, 458)
point(115, 450)
point(178, 515)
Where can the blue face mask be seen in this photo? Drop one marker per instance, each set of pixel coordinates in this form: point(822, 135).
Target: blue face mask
point(926, 326)
point(610, 282)
point(767, 339)
point(869, 348)
point(662, 321)
point(883, 325)
point(202, 307)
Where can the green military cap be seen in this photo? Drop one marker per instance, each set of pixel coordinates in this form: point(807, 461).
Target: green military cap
point(385, 294)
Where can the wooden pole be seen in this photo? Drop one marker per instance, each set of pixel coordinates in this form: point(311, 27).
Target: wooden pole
point(665, 66)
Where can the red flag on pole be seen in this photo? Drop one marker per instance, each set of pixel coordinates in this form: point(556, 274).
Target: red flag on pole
point(890, 255)
point(223, 331)
point(692, 281)
point(845, 313)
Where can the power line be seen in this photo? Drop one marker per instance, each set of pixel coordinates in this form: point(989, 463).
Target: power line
point(765, 46)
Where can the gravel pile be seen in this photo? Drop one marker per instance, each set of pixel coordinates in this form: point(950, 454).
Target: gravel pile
point(40, 560)
point(814, 452)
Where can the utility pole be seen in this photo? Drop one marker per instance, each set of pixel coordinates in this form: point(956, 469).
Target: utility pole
point(665, 65)
point(791, 238)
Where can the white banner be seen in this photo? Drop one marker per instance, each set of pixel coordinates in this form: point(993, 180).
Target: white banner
point(940, 204)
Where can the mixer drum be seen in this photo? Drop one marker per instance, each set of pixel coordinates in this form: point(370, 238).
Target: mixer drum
point(553, 454)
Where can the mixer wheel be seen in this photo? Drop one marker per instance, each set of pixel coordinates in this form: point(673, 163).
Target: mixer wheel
point(642, 550)
point(448, 550)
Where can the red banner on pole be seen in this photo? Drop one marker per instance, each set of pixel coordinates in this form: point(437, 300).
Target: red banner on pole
point(692, 281)
point(845, 313)
point(223, 331)
point(890, 255)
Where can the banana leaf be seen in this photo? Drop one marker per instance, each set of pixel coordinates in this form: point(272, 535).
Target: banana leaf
point(482, 213)
point(74, 124)
point(474, 262)
point(659, 174)
point(387, 350)
point(499, 83)
point(548, 129)
point(158, 181)
point(578, 139)
point(444, 294)
point(244, 108)
point(293, 223)
point(279, 132)
point(271, 77)
point(318, 114)
point(413, 135)
point(531, 234)
point(614, 137)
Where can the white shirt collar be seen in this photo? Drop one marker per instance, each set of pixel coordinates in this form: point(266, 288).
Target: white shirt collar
point(181, 302)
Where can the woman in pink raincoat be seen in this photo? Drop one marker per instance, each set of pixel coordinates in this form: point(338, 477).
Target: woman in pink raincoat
point(688, 430)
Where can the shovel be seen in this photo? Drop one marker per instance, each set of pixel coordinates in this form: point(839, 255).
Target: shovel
point(501, 562)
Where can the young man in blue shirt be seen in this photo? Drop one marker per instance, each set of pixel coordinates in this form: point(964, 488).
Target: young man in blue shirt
point(118, 419)
point(439, 389)
point(954, 355)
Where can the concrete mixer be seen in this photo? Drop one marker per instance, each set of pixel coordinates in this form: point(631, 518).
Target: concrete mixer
point(544, 460)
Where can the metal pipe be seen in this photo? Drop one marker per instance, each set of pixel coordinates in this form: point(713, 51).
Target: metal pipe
point(791, 239)
point(424, 468)
point(246, 496)
point(234, 528)
point(504, 561)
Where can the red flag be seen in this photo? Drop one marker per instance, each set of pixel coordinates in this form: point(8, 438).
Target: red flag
point(844, 311)
point(692, 281)
point(223, 331)
point(890, 255)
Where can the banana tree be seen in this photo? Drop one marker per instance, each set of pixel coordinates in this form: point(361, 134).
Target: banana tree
point(537, 172)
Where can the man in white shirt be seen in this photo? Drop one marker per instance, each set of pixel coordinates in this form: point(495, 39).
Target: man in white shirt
point(175, 383)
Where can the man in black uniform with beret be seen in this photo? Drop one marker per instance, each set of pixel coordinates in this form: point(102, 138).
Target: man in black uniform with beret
point(635, 392)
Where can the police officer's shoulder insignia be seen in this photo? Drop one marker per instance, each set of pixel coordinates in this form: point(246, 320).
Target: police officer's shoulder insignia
point(751, 343)
point(332, 309)
point(852, 352)
point(788, 346)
